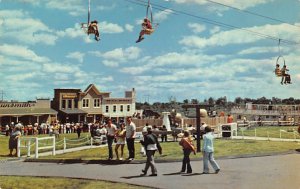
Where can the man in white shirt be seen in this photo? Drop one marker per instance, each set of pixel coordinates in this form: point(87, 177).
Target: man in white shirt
point(111, 130)
point(130, 137)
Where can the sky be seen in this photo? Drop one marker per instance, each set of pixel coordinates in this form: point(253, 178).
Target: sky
point(194, 52)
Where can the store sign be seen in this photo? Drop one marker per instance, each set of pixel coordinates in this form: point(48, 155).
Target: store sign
point(16, 105)
point(69, 96)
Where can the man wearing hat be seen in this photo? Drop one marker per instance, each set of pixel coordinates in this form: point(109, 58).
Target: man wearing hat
point(151, 144)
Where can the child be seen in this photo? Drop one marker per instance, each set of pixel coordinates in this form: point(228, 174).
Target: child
point(187, 147)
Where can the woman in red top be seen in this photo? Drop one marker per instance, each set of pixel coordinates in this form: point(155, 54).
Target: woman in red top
point(147, 27)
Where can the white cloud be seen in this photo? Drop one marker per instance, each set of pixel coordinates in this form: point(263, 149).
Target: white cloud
point(110, 63)
point(33, 30)
point(76, 55)
point(162, 15)
point(22, 52)
point(119, 55)
point(214, 30)
point(234, 3)
point(129, 27)
point(196, 28)
point(74, 7)
point(241, 36)
point(258, 50)
point(60, 68)
point(106, 27)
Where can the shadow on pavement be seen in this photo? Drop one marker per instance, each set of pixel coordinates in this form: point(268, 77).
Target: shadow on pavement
point(176, 173)
point(134, 176)
point(193, 174)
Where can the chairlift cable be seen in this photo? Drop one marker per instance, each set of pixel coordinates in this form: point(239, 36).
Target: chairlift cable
point(253, 13)
point(213, 22)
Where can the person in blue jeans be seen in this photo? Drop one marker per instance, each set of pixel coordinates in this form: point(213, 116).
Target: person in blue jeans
point(208, 151)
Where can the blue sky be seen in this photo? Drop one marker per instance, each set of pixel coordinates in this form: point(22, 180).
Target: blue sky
point(42, 47)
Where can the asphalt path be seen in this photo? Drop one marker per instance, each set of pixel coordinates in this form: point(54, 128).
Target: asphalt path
point(277, 171)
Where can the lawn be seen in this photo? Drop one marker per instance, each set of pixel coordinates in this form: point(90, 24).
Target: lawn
point(72, 141)
point(272, 132)
point(171, 150)
point(65, 183)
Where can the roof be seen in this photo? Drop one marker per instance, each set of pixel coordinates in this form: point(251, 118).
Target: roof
point(92, 86)
point(73, 111)
point(27, 111)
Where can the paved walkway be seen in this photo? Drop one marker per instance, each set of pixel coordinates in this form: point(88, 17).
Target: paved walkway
point(278, 171)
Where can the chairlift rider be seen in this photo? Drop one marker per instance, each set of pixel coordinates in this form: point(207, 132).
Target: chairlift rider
point(146, 29)
point(93, 29)
point(285, 76)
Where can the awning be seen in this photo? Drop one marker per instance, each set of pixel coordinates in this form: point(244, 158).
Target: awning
point(73, 111)
point(27, 111)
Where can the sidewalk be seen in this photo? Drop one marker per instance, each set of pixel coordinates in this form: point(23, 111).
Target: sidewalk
point(268, 172)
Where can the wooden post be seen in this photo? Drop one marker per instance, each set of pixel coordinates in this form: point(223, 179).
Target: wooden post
point(36, 147)
point(19, 148)
point(53, 152)
point(28, 148)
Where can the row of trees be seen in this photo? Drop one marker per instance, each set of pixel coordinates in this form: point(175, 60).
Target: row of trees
point(221, 101)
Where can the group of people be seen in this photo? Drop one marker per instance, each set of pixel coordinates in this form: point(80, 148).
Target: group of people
point(285, 77)
point(125, 134)
point(93, 28)
point(151, 145)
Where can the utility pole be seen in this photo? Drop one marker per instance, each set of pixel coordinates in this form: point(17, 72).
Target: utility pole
point(198, 119)
point(2, 93)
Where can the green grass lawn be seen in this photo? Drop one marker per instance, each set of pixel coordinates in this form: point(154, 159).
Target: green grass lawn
point(272, 132)
point(172, 150)
point(64, 183)
point(71, 138)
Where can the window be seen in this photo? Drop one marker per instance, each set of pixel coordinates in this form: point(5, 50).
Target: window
point(70, 104)
point(75, 103)
point(85, 103)
point(106, 109)
point(128, 108)
point(63, 104)
point(121, 108)
point(97, 102)
point(114, 108)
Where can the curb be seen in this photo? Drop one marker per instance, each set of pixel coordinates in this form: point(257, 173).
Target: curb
point(118, 162)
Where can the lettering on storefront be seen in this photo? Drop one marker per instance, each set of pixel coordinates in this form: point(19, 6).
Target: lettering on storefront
point(69, 96)
point(16, 105)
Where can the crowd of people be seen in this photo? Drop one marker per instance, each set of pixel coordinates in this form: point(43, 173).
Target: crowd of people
point(123, 134)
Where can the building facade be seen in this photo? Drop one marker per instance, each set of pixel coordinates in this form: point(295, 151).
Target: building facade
point(267, 112)
point(91, 105)
point(27, 113)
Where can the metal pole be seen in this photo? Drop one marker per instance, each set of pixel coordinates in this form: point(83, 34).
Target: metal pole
point(198, 121)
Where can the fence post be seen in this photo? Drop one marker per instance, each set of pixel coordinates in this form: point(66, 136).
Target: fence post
point(243, 134)
point(28, 148)
point(53, 152)
point(91, 142)
point(36, 147)
point(280, 134)
point(65, 144)
point(19, 148)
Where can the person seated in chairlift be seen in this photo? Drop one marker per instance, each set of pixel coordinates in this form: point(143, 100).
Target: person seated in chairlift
point(285, 76)
point(93, 28)
point(146, 25)
point(277, 70)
